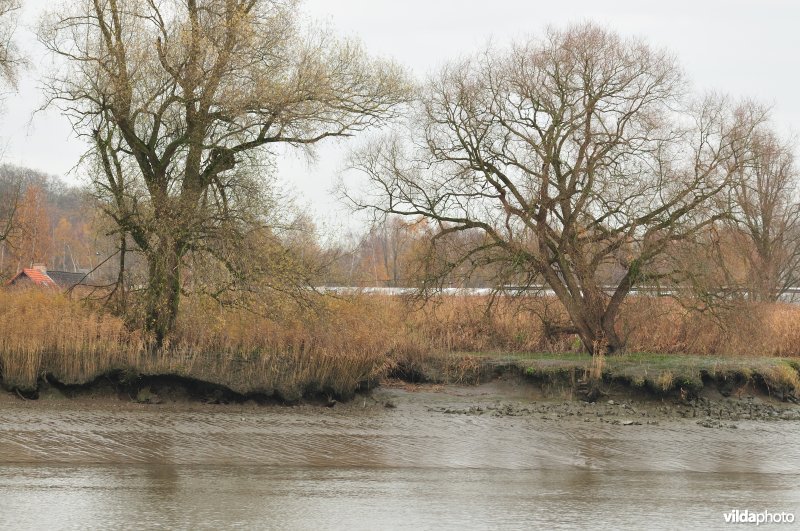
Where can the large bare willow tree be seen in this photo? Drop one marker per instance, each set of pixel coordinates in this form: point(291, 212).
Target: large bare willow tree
point(181, 100)
point(570, 154)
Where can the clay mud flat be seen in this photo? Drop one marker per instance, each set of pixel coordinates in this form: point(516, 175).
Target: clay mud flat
point(628, 409)
point(506, 395)
point(497, 455)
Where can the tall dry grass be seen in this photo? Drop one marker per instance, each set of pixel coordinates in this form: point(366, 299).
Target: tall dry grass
point(747, 329)
point(649, 324)
point(331, 350)
point(343, 342)
point(43, 331)
point(470, 324)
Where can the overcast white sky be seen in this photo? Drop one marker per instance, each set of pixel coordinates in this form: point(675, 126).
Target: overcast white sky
point(745, 48)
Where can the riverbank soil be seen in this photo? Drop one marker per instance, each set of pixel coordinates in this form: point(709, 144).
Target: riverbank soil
point(628, 390)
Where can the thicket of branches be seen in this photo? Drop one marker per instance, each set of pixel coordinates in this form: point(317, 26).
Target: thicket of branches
point(581, 157)
point(181, 101)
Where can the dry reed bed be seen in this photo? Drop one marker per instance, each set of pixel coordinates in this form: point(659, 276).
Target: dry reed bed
point(43, 333)
point(345, 342)
point(656, 325)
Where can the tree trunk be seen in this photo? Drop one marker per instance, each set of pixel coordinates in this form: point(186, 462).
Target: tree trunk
point(164, 290)
point(600, 339)
point(595, 324)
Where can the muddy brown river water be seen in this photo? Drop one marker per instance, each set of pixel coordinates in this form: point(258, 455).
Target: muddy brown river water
point(79, 464)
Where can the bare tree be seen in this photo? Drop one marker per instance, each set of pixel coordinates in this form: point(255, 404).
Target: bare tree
point(10, 59)
point(766, 218)
point(571, 154)
point(10, 196)
point(386, 251)
point(182, 99)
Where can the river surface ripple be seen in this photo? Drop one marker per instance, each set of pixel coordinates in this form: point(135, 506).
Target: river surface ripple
point(367, 466)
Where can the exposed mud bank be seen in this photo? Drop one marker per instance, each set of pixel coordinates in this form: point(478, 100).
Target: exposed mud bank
point(626, 393)
point(122, 386)
point(631, 408)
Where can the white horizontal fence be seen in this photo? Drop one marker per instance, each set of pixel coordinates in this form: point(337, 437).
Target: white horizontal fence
point(790, 295)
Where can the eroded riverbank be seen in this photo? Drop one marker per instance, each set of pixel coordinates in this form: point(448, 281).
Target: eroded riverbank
point(627, 390)
point(504, 396)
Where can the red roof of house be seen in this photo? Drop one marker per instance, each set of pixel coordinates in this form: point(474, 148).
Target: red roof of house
point(37, 277)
